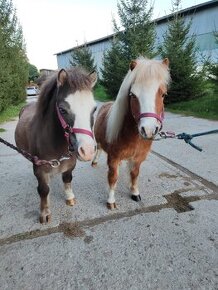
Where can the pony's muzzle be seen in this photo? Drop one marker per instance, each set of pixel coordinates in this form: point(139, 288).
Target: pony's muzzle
point(86, 152)
point(150, 124)
point(148, 133)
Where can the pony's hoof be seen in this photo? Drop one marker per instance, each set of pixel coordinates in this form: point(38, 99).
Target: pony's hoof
point(45, 218)
point(71, 201)
point(94, 164)
point(111, 206)
point(136, 197)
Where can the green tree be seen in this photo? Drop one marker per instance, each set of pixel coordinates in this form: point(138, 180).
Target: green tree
point(33, 72)
point(134, 36)
point(214, 76)
point(136, 31)
point(180, 48)
point(13, 60)
point(82, 56)
point(113, 64)
point(213, 68)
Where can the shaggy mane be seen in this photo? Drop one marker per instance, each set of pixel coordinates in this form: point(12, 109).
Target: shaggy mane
point(78, 79)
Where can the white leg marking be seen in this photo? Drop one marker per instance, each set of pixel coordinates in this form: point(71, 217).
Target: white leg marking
point(68, 191)
point(111, 198)
point(135, 190)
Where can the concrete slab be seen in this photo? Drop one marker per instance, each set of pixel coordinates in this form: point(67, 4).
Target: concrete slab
point(203, 163)
point(20, 201)
point(164, 250)
point(167, 241)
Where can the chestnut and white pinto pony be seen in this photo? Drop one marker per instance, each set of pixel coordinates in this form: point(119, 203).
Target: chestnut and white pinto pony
point(125, 129)
point(59, 127)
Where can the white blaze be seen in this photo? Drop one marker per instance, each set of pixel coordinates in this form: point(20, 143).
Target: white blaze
point(82, 104)
point(147, 98)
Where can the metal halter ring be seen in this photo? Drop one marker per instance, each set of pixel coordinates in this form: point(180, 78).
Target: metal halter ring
point(54, 163)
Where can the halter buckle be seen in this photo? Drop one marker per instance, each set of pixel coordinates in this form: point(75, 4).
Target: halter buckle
point(54, 163)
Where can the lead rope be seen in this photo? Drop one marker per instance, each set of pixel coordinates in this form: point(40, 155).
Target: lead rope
point(163, 135)
point(184, 136)
point(34, 159)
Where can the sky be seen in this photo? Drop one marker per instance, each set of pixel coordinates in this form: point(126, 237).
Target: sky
point(51, 26)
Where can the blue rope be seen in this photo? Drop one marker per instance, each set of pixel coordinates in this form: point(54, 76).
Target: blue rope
point(188, 137)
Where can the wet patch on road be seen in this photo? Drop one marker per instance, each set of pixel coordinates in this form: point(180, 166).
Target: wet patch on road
point(179, 200)
point(75, 230)
point(167, 175)
point(179, 203)
point(88, 239)
point(71, 230)
point(192, 176)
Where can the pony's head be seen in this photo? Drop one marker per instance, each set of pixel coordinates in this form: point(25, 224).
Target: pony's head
point(144, 87)
point(147, 91)
point(74, 107)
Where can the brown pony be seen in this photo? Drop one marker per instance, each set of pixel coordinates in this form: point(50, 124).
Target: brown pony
point(59, 127)
point(125, 129)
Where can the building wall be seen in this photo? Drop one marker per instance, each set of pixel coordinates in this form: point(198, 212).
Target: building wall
point(97, 49)
point(204, 24)
point(63, 59)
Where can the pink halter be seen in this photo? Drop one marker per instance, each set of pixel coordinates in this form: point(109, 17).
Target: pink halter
point(137, 115)
point(152, 115)
point(68, 129)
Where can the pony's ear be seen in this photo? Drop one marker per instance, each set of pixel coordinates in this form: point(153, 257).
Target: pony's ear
point(62, 76)
point(132, 64)
point(166, 61)
point(93, 76)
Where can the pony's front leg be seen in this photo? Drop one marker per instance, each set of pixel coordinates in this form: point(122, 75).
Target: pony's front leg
point(43, 191)
point(67, 178)
point(97, 155)
point(134, 167)
point(113, 166)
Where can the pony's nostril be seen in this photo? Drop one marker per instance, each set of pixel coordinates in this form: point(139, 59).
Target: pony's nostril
point(82, 151)
point(143, 133)
point(156, 131)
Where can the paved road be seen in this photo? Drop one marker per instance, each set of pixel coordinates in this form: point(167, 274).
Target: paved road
point(167, 241)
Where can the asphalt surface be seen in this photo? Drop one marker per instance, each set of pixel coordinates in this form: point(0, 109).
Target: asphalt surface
point(167, 241)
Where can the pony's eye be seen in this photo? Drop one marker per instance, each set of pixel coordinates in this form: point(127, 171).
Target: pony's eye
point(164, 95)
point(62, 111)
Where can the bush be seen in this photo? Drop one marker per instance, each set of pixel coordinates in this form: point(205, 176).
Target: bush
point(13, 60)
